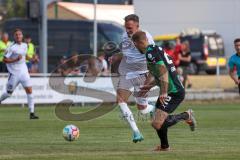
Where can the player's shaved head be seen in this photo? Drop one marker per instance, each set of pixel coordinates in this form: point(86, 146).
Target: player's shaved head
point(140, 41)
point(139, 36)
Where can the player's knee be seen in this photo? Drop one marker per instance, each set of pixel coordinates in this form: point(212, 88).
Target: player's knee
point(141, 107)
point(157, 125)
point(141, 103)
point(28, 90)
point(123, 95)
point(121, 99)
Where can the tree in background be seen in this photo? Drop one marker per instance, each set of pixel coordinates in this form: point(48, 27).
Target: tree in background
point(15, 8)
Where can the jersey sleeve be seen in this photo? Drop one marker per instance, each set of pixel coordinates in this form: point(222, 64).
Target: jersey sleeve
point(153, 55)
point(150, 38)
point(231, 63)
point(160, 51)
point(26, 49)
point(8, 52)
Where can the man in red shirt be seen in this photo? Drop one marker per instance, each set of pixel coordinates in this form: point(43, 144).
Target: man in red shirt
point(173, 53)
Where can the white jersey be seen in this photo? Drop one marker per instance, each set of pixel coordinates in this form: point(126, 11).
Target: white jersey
point(129, 50)
point(13, 51)
point(133, 63)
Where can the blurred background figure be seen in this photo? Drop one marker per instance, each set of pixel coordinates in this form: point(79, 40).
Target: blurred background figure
point(170, 50)
point(63, 69)
point(104, 64)
point(93, 67)
point(234, 64)
point(177, 51)
point(74, 64)
point(185, 60)
point(35, 64)
point(4, 43)
point(31, 57)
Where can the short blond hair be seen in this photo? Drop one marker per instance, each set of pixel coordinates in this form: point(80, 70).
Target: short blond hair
point(138, 36)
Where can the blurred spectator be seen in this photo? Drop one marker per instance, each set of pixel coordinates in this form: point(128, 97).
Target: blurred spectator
point(30, 53)
point(185, 60)
point(169, 49)
point(93, 67)
point(70, 65)
point(234, 64)
point(104, 64)
point(35, 64)
point(177, 51)
point(74, 64)
point(63, 68)
point(4, 43)
point(84, 64)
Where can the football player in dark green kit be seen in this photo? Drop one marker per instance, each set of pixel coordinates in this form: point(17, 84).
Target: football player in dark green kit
point(162, 73)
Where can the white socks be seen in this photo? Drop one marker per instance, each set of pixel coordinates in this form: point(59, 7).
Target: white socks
point(29, 99)
point(4, 96)
point(127, 114)
point(148, 109)
point(30, 103)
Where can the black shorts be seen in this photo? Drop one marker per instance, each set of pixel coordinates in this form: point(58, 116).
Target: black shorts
point(173, 100)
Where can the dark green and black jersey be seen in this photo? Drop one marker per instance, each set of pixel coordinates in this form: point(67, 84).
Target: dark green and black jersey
point(156, 56)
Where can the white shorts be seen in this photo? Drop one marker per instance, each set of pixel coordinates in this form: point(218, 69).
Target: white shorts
point(133, 85)
point(14, 80)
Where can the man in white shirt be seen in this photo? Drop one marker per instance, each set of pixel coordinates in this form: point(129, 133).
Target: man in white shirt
point(104, 64)
point(133, 72)
point(15, 59)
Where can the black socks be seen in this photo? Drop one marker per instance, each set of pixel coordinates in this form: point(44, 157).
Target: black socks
point(170, 121)
point(174, 119)
point(162, 134)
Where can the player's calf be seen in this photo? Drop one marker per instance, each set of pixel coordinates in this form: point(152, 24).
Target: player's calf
point(30, 103)
point(31, 107)
point(5, 96)
point(128, 116)
point(159, 118)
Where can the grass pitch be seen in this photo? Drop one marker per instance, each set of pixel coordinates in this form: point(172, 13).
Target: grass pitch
point(217, 136)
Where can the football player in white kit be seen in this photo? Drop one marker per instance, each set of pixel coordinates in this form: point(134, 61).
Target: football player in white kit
point(15, 59)
point(133, 72)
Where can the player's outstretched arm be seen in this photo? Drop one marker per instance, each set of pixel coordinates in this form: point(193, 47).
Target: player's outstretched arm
point(163, 79)
point(12, 60)
point(148, 84)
